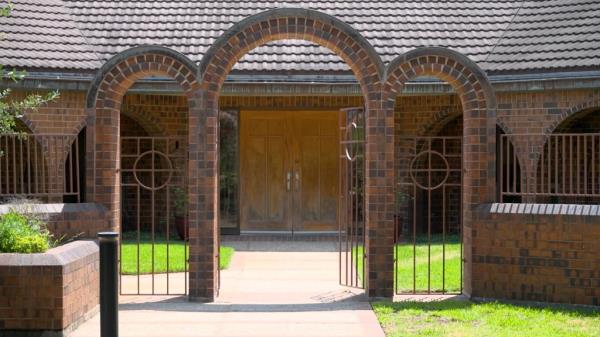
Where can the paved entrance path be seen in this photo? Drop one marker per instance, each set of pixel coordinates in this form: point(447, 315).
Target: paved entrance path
point(271, 289)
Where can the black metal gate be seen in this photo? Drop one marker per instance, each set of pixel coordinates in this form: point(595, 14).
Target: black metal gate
point(428, 249)
point(351, 217)
point(153, 251)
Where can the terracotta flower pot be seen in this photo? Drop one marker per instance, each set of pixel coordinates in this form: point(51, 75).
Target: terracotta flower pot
point(183, 229)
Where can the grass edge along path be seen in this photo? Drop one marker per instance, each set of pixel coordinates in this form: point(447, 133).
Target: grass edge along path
point(129, 264)
point(489, 319)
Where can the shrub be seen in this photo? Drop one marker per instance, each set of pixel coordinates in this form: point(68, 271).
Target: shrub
point(20, 233)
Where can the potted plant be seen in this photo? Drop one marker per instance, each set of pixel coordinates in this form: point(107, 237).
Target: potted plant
point(181, 219)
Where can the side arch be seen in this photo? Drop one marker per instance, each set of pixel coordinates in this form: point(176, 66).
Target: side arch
point(479, 127)
point(123, 69)
point(103, 103)
point(478, 102)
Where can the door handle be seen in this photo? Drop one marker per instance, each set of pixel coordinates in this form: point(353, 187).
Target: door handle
point(288, 182)
point(297, 176)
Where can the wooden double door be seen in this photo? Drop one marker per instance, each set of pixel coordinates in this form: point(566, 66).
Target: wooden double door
point(288, 171)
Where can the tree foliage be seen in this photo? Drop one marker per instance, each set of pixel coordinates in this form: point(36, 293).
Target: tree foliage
point(13, 109)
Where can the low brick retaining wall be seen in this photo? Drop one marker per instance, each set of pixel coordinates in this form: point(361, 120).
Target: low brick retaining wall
point(83, 220)
point(537, 252)
point(48, 294)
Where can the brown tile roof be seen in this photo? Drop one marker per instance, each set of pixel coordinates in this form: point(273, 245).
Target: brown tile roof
point(498, 35)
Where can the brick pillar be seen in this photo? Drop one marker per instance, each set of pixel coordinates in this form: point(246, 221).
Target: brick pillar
point(379, 194)
point(203, 180)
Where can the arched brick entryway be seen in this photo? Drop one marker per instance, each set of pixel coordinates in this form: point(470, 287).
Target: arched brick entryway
point(366, 65)
point(103, 109)
point(479, 118)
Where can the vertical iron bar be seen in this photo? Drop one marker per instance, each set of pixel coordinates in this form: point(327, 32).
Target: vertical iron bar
point(556, 162)
point(444, 238)
point(59, 164)
point(14, 151)
point(540, 180)
point(593, 139)
point(577, 164)
point(152, 208)
point(70, 157)
point(585, 188)
point(501, 168)
point(36, 169)
point(28, 147)
point(460, 219)
point(2, 155)
point(139, 227)
point(7, 166)
point(77, 169)
point(22, 169)
point(45, 169)
point(356, 220)
point(429, 173)
point(168, 206)
point(340, 196)
point(415, 235)
point(548, 161)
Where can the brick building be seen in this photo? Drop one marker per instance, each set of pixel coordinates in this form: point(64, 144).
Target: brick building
point(480, 120)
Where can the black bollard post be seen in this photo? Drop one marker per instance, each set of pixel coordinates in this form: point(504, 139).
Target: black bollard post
point(109, 312)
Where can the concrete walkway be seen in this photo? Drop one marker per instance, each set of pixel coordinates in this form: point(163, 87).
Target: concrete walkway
point(271, 289)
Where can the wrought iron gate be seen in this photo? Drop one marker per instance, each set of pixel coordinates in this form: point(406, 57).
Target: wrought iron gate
point(351, 216)
point(153, 252)
point(428, 250)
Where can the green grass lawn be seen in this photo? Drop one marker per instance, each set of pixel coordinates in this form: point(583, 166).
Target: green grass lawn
point(177, 252)
point(442, 273)
point(468, 319)
point(445, 265)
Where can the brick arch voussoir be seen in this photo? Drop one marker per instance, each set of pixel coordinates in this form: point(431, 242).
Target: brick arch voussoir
point(572, 111)
point(291, 23)
point(151, 124)
point(465, 76)
point(119, 73)
point(439, 121)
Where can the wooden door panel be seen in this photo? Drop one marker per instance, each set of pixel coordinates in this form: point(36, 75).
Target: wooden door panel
point(329, 186)
point(310, 179)
point(275, 179)
point(254, 168)
point(263, 166)
point(317, 162)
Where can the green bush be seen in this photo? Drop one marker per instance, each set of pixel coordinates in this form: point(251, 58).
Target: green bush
point(22, 234)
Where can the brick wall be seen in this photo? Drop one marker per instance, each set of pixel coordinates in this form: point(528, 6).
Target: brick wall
point(537, 252)
point(53, 291)
point(539, 112)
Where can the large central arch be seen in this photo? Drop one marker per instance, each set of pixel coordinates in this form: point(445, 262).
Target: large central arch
point(355, 50)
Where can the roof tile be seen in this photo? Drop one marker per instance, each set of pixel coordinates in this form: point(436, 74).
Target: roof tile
point(500, 35)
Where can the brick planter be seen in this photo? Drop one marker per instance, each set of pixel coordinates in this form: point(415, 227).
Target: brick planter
point(81, 220)
point(48, 294)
